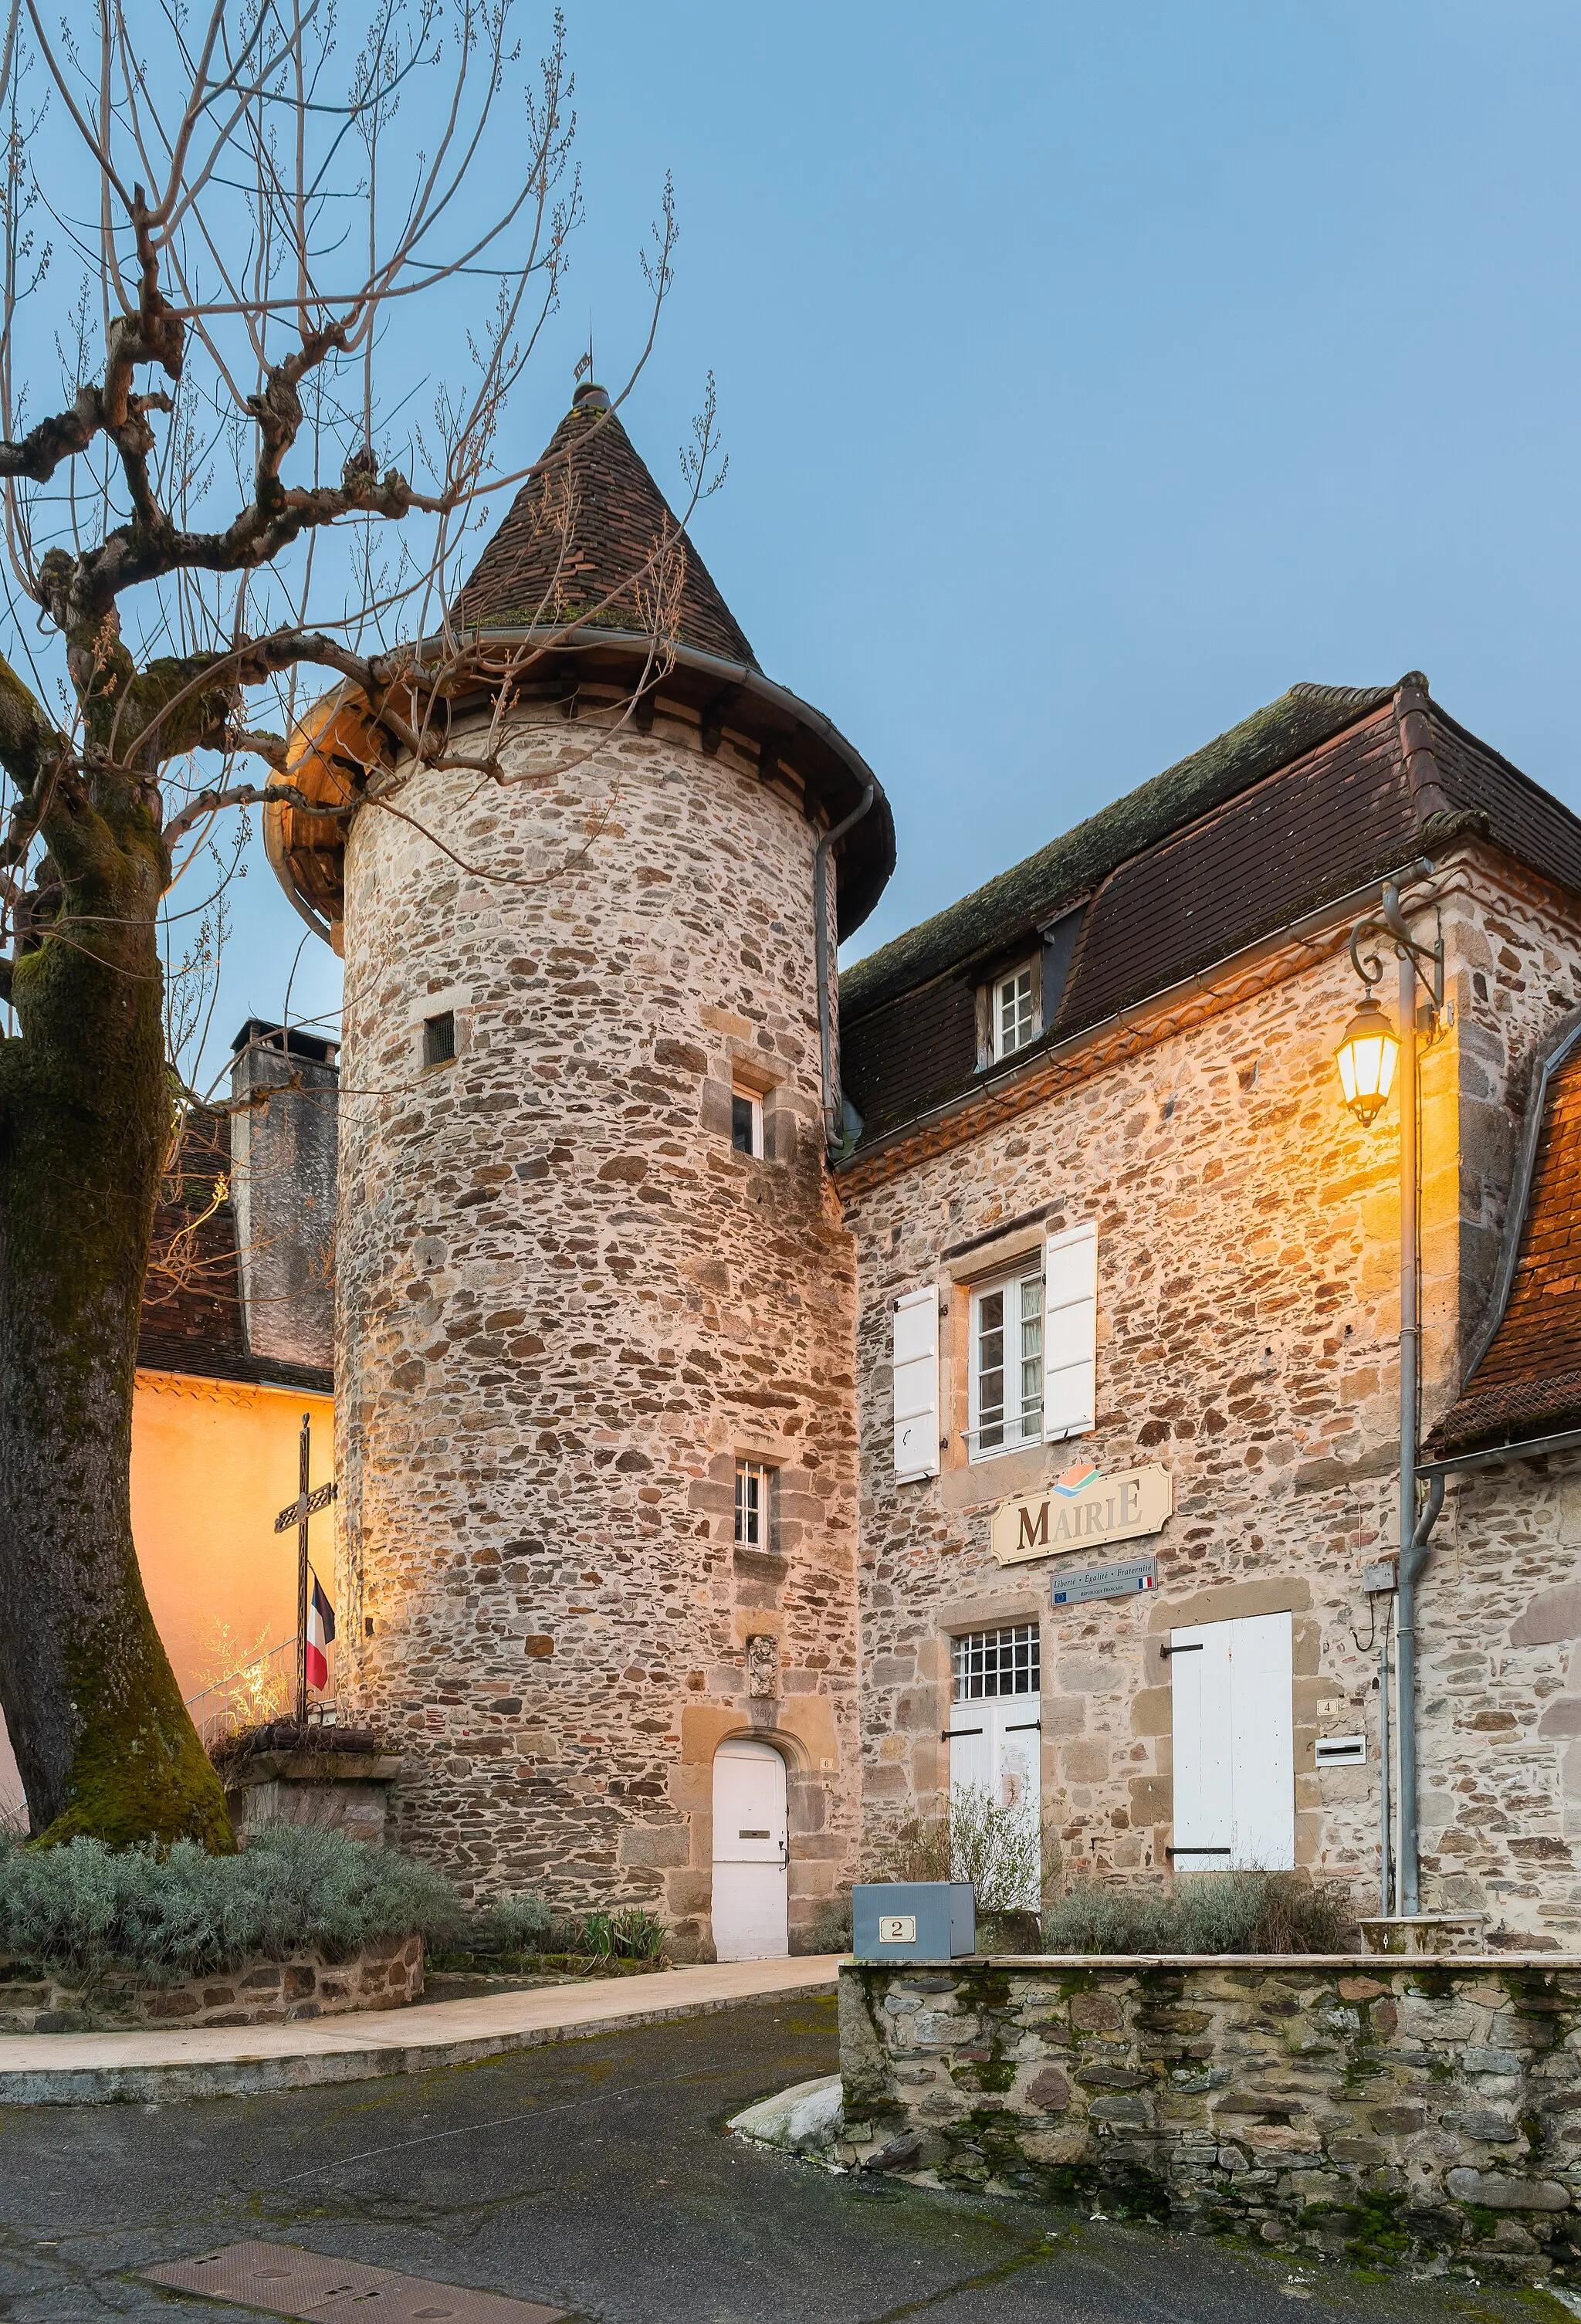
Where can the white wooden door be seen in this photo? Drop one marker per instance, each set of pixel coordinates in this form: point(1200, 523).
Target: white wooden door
point(1234, 1746)
point(996, 1740)
point(752, 1852)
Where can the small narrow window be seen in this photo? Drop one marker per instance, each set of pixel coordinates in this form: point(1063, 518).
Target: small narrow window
point(439, 1038)
point(746, 1122)
point(1006, 1365)
point(1015, 1016)
point(754, 1514)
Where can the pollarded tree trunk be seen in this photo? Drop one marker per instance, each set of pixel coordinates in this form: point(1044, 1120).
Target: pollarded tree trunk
point(102, 1739)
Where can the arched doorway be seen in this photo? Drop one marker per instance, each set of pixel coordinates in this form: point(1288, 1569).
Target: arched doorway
point(751, 1852)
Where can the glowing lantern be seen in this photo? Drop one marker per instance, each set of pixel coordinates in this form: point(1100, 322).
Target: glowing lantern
point(1365, 1058)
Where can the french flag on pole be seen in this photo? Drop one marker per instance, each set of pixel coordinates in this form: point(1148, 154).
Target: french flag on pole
point(321, 1632)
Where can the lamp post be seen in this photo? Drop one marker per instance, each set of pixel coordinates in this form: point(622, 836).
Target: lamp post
point(1371, 1057)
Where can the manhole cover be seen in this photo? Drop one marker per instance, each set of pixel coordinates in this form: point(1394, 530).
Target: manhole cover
point(287, 2282)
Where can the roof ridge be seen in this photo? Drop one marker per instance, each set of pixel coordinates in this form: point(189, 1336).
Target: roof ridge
point(1072, 864)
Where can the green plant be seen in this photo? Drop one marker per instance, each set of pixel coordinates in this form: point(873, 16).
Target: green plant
point(88, 1909)
point(1009, 1855)
point(514, 1924)
point(830, 1932)
point(1207, 1913)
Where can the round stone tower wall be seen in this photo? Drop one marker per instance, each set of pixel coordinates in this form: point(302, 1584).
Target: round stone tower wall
point(567, 1307)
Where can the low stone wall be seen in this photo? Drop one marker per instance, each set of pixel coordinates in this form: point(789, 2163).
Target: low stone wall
point(1372, 2111)
point(381, 1976)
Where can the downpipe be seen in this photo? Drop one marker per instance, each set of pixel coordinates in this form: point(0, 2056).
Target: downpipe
point(1412, 1558)
point(830, 1084)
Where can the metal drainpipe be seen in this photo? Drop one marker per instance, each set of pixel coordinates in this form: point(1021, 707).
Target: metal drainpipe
point(821, 956)
point(1385, 1868)
point(1415, 1533)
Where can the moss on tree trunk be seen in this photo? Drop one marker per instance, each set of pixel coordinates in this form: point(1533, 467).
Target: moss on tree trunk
point(102, 1739)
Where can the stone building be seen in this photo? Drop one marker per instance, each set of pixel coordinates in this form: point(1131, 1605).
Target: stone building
point(742, 1382)
point(1128, 1291)
point(596, 1298)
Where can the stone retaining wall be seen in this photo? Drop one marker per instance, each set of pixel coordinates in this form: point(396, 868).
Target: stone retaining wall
point(381, 1976)
point(1372, 2112)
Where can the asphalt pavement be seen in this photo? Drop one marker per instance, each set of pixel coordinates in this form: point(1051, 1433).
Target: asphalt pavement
point(596, 2176)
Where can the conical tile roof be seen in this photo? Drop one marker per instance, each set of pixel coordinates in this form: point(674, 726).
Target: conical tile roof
point(579, 544)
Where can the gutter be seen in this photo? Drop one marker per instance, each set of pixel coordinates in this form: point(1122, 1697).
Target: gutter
point(1499, 1456)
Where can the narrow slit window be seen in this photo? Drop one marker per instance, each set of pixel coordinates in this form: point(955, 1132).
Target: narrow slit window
point(754, 1509)
point(1015, 1012)
point(439, 1038)
point(746, 1122)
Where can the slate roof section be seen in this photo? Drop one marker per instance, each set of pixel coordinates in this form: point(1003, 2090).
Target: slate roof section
point(589, 518)
point(192, 1322)
point(1072, 865)
point(1322, 792)
point(1526, 1381)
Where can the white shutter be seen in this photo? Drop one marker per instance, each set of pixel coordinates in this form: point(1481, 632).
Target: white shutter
point(1070, 1378)
point(916, 1386)
point(1264, 1765)
point(1234, 1747)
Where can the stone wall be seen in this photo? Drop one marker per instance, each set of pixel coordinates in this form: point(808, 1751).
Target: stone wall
point(1376, 2112)
point(1248, 1240)
point(567, 1307)
point(383, 1975)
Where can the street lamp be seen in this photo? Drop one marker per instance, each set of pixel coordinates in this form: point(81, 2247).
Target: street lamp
point(1367, 1058)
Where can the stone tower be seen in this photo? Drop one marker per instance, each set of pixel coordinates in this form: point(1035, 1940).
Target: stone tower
point(595, 1333)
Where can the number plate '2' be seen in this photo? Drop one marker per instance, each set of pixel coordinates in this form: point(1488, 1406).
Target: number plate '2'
point(898, 1928)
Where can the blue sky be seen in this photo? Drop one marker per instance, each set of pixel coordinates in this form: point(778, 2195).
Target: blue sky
point(1088, 375)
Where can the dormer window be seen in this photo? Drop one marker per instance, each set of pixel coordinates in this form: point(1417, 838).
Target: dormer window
point(1015, 1010)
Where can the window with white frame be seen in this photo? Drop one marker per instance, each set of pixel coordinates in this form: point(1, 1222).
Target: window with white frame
point(746, 1122)
point(1015, 1012)
point(754, 1509)
point(985, 1663)
point(1006, 1397)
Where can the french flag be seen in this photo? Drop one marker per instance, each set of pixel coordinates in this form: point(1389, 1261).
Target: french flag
point(321, 1632)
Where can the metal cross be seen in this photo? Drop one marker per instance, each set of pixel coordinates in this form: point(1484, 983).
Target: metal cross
point(307, 1504)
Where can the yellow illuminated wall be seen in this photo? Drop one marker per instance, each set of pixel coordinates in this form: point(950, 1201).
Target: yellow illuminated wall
point(213, 1463)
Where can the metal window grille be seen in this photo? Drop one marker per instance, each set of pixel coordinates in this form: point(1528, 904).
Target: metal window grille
point(754, 1511)
point(439, 1038)
point(997, 1662)
point(1013, 1024)
point(1006, 1367)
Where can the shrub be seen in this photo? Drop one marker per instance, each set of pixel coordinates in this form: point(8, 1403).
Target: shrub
point(1210, 1913)
point(87, 1910)
point(1004, 1852)
point(830, 1932)
point(518, 1927)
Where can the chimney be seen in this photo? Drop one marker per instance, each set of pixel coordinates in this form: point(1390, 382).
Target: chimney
point(285, 1084)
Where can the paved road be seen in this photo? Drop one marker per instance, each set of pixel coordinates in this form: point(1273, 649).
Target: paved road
point(595, 2176)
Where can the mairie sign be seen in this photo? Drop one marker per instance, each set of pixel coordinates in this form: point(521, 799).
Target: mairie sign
point(1081, 1510)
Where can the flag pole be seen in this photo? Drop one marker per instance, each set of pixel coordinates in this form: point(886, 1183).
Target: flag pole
point(302, 1579)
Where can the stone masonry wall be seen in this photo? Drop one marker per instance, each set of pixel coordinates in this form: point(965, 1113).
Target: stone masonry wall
point(1377, 2111)
point(383, 1975)
point(567, 1307)
point(1248, 1239)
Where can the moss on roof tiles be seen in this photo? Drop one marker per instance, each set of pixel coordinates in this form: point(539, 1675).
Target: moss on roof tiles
point(1069, 867)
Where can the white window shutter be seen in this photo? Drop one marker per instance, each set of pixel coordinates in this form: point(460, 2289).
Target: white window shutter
point(1203, 1735)
point(1070, 1377)
point(916, 1386)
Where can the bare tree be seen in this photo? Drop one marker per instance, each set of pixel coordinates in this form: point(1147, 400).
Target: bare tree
point(215, 230)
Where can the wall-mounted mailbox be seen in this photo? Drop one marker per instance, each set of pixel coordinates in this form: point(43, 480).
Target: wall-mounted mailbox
point(912, 1920)
point(1341, 1750)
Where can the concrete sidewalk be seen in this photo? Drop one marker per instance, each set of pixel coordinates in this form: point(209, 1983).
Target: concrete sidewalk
point(224, 2061)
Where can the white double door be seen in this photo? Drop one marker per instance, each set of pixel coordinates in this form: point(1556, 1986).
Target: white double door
point(1234, 1746)
point(751, 1853)
point(996, 1750)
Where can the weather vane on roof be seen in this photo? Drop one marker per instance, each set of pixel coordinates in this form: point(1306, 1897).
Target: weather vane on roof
point(584, 362)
